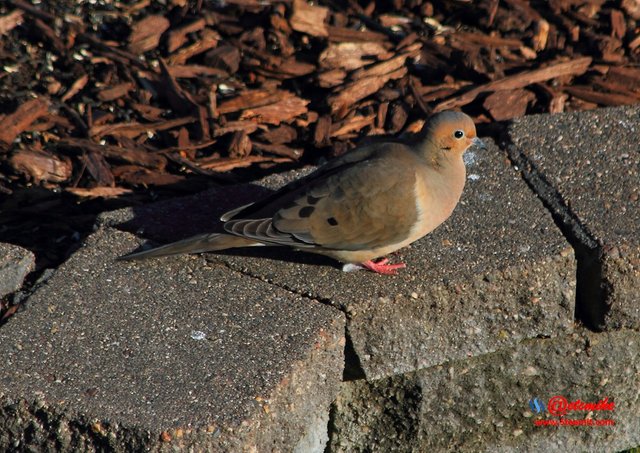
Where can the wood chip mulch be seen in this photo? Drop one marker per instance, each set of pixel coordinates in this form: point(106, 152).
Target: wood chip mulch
point(108, 102)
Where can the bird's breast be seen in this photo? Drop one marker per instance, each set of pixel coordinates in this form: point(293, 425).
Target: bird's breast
point(437, 194)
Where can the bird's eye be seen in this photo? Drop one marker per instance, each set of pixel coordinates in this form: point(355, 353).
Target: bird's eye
point(458, 134)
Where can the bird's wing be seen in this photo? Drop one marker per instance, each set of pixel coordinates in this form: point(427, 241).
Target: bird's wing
point(267, 206)
point(363, 200)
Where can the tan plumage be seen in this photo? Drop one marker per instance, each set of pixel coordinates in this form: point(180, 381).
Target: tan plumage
point(365, 204)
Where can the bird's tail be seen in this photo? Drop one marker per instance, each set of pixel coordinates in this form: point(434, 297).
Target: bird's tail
point(196, 244)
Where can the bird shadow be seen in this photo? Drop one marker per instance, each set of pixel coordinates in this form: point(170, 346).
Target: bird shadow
point(180, 218)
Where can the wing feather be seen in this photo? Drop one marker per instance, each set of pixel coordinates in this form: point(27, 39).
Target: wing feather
point(360, 204)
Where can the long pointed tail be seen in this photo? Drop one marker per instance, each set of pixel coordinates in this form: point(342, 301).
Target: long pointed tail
point(196, 244)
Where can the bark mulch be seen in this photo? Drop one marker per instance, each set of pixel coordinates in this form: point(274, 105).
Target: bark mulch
point(109, 103)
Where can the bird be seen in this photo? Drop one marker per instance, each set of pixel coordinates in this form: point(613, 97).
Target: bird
point(358, 207)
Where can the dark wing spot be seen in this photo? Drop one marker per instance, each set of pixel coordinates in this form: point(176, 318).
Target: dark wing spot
point(332, 221)
point(312, 200)
point(306, 211)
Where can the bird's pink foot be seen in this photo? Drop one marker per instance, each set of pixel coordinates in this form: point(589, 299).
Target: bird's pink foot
point(382, 266)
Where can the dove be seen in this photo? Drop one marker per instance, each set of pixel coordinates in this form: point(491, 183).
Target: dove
point(358, 207)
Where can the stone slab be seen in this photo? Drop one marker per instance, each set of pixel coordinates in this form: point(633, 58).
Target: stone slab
point(161, 355)
point(592, 161)
point(496, 272)
point(482, 404)
point(15, 264)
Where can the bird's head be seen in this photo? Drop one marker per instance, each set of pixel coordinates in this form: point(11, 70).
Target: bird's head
point(448, 135)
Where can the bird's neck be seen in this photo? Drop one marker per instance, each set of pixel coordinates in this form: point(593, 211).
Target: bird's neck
point(445, 168)
point(453, 170)
point(438, 159)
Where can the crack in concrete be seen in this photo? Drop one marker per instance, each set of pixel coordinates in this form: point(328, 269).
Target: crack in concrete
point(352, 367)
point(287, 288)
point(592, 290)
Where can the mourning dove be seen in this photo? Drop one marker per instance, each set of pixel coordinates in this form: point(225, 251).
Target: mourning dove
point(360, 206)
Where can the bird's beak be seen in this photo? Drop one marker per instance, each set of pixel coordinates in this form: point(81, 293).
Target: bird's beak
point(475, 141)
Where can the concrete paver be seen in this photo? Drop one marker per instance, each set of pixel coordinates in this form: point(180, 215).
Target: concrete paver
point(165, 354)
point(482, 404)
point(590, 164)
point(15, 264)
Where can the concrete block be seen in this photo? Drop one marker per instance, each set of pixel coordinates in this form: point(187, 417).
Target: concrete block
point(482, 404)
point(169, 354)
point(587, 168)
point(15, 264)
